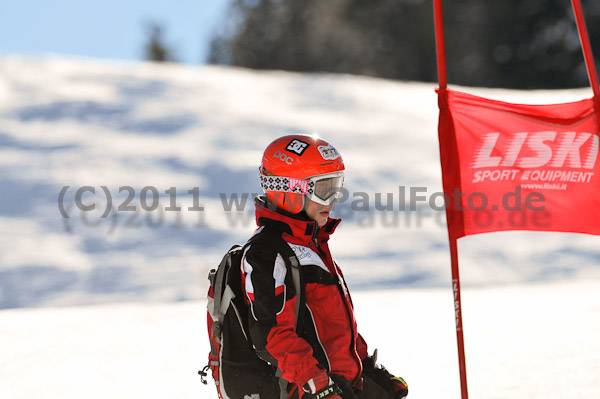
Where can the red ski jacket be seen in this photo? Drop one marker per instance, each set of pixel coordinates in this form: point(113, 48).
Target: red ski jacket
point(328, 339)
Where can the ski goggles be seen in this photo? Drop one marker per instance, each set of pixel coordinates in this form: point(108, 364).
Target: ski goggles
point(322, 189)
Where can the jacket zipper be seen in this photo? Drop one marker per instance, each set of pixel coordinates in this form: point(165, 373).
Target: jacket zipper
point(341, 290)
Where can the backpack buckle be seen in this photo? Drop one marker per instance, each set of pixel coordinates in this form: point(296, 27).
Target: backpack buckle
point(203, 373)
point(212, 274)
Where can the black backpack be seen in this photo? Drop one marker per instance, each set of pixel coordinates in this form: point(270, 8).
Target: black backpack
point(237, 370)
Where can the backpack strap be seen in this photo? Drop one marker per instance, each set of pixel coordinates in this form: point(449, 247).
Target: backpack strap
point(274, 237)
point(292, 263)
point(222, 299)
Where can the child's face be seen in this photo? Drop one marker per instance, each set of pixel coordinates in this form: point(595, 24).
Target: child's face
point(317, 212)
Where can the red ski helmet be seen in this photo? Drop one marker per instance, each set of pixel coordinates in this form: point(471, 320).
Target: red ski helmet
point(298, 165)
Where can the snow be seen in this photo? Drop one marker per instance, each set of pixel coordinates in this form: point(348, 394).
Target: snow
point(523, 340)
point(113, 307)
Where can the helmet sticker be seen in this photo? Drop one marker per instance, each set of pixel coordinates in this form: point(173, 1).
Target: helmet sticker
point(282, 157)
point(297, 146)
point(328, 152)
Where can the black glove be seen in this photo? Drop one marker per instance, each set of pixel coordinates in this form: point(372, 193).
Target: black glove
point(321, 386)
point(344, 386)
point(396, 386)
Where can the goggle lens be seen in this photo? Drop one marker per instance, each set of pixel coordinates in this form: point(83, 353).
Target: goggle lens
point(326, 188)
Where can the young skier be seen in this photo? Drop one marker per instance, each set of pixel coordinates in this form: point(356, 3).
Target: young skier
point(302, 177)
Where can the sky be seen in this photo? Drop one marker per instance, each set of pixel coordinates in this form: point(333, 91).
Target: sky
point(108, 29)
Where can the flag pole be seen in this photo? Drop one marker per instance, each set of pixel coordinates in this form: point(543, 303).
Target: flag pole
point(443, 84)
point(439, 44)
point(460, 340)
point(586, 47)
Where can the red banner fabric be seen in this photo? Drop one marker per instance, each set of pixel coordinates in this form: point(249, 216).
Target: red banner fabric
point(519, 167)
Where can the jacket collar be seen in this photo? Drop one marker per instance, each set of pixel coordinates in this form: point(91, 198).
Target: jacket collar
point(296, 225)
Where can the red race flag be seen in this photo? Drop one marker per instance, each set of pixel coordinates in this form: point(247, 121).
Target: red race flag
point(519, 167)
point(516, 167)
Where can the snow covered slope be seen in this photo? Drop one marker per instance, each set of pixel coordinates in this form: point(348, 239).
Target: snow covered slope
point(536, 341)
point(155, 132)
point(530, 300)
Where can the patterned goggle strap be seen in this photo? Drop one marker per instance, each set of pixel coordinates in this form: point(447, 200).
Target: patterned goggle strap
point(286, 184)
